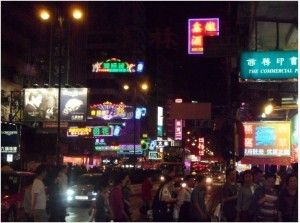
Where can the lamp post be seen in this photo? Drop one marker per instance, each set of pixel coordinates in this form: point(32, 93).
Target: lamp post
point(45, 15)
point(143, 87)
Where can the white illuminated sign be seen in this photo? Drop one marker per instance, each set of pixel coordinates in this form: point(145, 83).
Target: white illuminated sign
point(178, 129)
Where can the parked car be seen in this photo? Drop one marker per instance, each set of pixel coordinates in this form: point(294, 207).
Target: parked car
point(12, 193)
point(84, 190)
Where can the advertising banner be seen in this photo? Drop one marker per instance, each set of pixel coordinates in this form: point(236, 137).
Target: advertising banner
point(267, 139)
point(73, 104)
point(114, 65)
point(41, 104)
point(269, 65)
point(9, 138)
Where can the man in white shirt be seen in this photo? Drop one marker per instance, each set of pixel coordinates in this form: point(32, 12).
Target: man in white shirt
point(184, 198)
point(38, 196)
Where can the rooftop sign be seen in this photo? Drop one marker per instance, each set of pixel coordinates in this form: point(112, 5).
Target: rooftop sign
point(197, 30)
point(115, 65)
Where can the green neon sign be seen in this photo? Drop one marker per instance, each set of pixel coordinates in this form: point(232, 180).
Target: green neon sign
point(102, 131)
point(113, 65)
point(269, 65)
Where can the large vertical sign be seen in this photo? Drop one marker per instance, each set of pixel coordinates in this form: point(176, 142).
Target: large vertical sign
point(267, 139)
point(197, 30)
point(178, 129)
point(294, 139)
point(201, 146)
point(160, 121)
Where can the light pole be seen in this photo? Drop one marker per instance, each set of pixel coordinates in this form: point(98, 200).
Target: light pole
point(45, 15)
point(143, 87)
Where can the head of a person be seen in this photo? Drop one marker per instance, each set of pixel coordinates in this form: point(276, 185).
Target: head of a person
point(231, 175)
point(63, 169)
point(118, 179)
point(258, 175)
point(190, 181)
point(247, 177)
point(292, 181)
point(126, 180)
point(200, 180)
point(270, 179)
point(41, 171)
point(51, 102)
point(36, 98)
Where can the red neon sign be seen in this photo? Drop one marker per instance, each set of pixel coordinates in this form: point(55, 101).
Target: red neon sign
point(198, 29)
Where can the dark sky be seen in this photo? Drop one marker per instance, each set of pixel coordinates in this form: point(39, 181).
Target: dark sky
point(196, 77)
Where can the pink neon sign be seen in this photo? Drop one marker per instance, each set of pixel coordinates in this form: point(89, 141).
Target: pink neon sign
point(197, 30)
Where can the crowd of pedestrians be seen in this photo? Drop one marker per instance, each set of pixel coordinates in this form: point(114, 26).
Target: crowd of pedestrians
point(249, 196)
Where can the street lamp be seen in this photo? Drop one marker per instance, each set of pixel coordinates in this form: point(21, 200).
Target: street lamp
point(268, 109)
point(44, 14)
point(143, 87)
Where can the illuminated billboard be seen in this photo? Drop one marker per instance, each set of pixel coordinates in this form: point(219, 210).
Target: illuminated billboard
point(197, 30)
point(267, 139)
point(269, 65)
point(295, 138)
point(108, 111)
point(40, 104)
point(178, 129)
point(114, 65)
point(73, 104)
point(90, 131)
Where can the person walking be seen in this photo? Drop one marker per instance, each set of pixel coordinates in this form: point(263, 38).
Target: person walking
point(183, 204)
point(116, 200)
point(245, 196)
point(146, 194)
point(288, 200)
point(264, 205)
point(126, 195)
point(198, 211)
point(229, 196)
point(38, 195)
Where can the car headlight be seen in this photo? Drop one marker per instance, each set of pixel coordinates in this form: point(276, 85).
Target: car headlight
point(183, 185)
point(94, 193)
point(69, 198)
point(70, 192)
point(208, 180)
point(162, 178)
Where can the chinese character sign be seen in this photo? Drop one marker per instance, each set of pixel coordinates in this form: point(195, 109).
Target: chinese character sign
point(269, 65)
point(197, 30)
point(178, 129)
point(266, 139)
point(201, 146)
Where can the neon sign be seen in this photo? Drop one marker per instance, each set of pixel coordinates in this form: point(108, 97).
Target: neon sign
point(115, 65)
point(90, 131)
point(267, 139)
point(201, 146)
point(108, 111)
point(197, 30)
point(178, 129)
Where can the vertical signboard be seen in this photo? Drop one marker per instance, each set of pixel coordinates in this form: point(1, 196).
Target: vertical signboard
point(178, 129)
point(160, 121)
point(294, 139)
point(201, 146)
point(197, 30)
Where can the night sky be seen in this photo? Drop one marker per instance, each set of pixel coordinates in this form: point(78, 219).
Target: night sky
point(196, 77)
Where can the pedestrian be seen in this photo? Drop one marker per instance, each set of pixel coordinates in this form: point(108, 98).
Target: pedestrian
point(288, 200)
point(198, 211)
point(116, 200)
point(126, 195)
point(146, 194)
point(245, 196)
point(258, 177)
point(101, 213)
point(264, 205)
point(163, 202)
point(27, 201)
point(38, 195)
point(183, 204)
point(229, 196)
